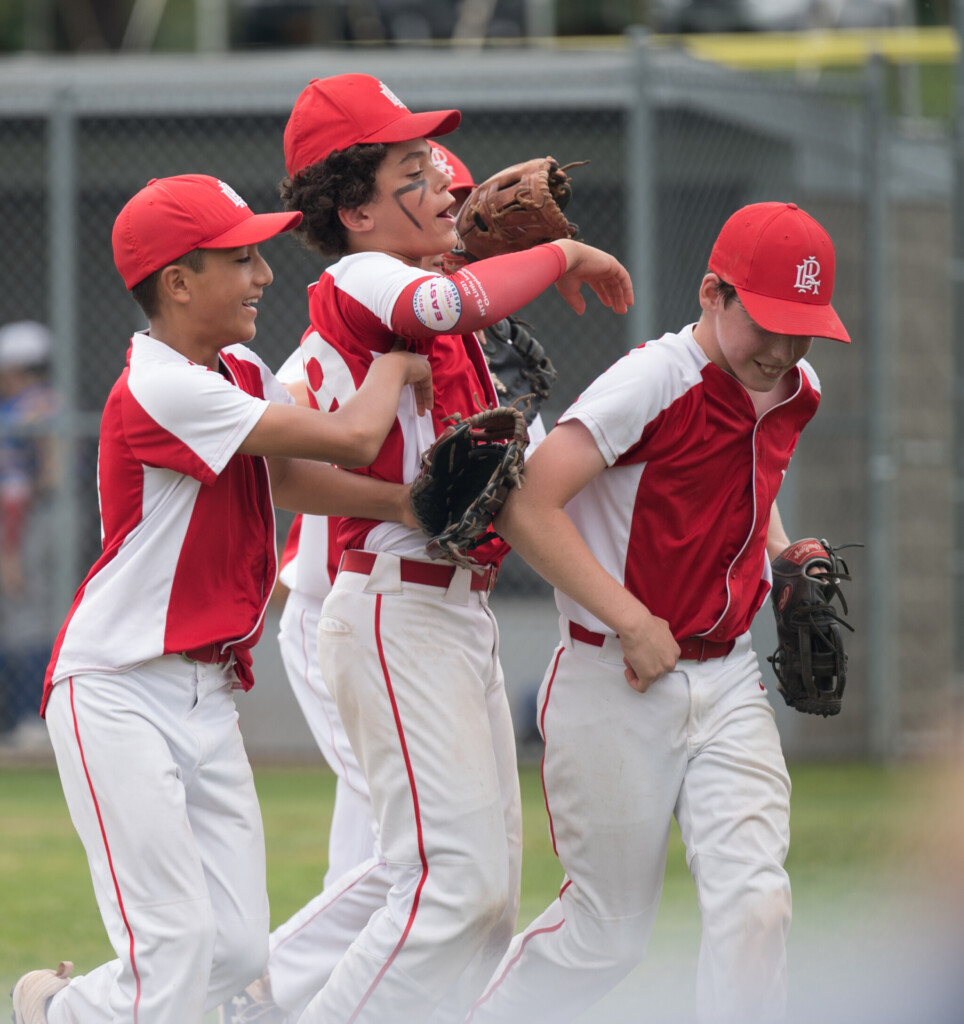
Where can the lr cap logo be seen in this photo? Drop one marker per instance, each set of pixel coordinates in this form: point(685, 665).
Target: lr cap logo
point(807, 279)
point(389, 95)
point(231, 194)
point(441, 162)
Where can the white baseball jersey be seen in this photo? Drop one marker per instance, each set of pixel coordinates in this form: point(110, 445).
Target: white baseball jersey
point(312, 574)
point(351, 314)
point(680, 517)
point(184, 562)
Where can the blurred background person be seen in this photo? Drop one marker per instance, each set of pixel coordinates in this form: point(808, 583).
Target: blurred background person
point(29, 469)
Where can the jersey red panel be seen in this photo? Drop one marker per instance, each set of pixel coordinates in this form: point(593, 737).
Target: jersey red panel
point(680, 517)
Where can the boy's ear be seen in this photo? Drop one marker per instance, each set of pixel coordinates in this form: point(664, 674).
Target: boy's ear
point(357, 219)
point(710, 292)
point(172, 284)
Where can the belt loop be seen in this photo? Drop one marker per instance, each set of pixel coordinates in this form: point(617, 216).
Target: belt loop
point(459, 588)
point(386, 575)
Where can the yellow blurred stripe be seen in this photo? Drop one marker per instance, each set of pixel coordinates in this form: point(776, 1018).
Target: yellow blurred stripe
point(829, 48)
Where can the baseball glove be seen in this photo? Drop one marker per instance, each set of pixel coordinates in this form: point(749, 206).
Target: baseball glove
point(520, 368)
point(810, 662)
point(464, 480)
point(516, 209)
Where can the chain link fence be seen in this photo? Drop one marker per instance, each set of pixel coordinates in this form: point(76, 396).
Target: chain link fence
point(674, 147)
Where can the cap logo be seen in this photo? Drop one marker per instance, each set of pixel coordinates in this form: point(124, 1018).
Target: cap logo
point(390, 96)
point(441, 162)
point(808, 279)
point(231, 194)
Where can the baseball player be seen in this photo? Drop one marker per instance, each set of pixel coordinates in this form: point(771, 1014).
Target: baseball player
point(306, 947)
point(409, 647)
point(651, 509)
point(194, 447)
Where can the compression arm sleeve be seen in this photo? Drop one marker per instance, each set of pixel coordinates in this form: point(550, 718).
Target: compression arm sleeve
point(479, 294)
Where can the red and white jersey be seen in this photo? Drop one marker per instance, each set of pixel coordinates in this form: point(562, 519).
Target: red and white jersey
point(680, 515)
point(187, 523)
point(351, 309)
point(309, 560)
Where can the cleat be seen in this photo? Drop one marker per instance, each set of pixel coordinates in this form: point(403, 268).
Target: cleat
point(34, 991)
point(252, 1006)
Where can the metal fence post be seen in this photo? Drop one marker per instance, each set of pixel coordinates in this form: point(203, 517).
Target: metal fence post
point(882, 677)
point(641, 185)
point(63, 252)
point(212, 26)
point(957, 369)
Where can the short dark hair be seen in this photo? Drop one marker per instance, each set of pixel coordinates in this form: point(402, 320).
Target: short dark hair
point(726, 291)
point(145, 292)
point(344, 180)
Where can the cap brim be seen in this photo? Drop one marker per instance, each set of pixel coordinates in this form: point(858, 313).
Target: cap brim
point(803, 319)
point(417, 126)
point(252, 230)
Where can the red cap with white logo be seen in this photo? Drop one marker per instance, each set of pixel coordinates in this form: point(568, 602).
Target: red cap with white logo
point(781, 263)
point(345, 110)
point(447, 162)
point(170, 217)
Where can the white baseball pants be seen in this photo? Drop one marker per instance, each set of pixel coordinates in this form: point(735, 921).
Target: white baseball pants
point(416, 675)
point(160, 792)
point(701, 743)
point(305, 949)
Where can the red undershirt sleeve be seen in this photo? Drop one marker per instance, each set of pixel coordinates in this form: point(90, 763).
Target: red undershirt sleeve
point(479, 294)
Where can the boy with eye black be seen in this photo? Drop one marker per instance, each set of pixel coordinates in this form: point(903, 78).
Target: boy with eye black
point(407, 646)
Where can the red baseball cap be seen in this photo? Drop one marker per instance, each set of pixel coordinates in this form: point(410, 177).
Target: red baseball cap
point(172, 216)
point(343, 110)
point(447, 162)
point(781, 263)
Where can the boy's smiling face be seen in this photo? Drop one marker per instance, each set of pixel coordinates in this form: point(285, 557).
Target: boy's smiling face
point(411, 216)
point(758, 358)
point(224, 294)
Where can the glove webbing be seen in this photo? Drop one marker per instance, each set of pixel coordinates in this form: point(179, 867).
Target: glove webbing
point(812, 623)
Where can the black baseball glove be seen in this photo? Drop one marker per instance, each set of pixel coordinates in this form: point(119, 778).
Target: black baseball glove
point(810, 661)
point(522, 372)
point(465, 478)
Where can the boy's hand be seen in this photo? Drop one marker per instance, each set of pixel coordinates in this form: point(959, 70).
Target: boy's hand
point(607, 277)
point(406, 516)
point(650, 651)
point(418, 373)
point(420, 378)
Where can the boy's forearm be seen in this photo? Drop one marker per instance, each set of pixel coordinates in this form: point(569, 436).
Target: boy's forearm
point(318, 489)
point(549, 542)
point(371, 411)
point(777, 539)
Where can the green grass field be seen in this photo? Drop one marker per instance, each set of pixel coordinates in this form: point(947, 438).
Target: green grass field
point(868, 860)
